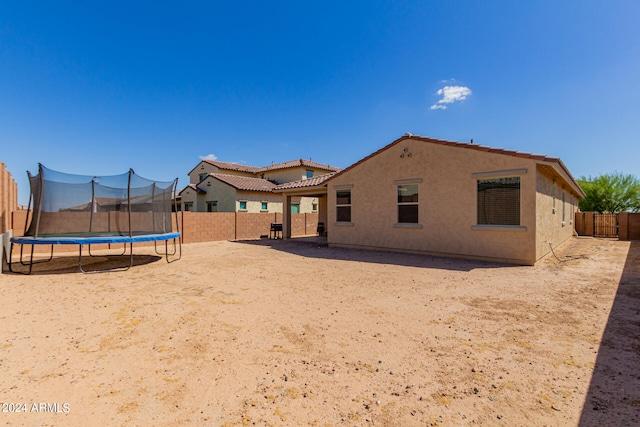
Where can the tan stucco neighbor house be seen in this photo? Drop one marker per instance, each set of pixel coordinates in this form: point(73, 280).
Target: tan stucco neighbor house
point(216, 186)
point(426, 195)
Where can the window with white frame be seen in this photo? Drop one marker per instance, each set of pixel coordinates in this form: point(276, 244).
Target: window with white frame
point(563, 207)
point(343, 205)
point(573, 212)
point(408, 204)
point(499, 201)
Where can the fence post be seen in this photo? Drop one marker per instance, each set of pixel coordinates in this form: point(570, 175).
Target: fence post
point(623, 226)
point(588, 224)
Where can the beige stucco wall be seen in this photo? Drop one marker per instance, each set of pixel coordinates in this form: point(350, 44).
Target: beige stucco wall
point(290, 174)
point(551, 229)
point(204, 167)
point(447, 203)
point(254, 202)
point(189, 196)
point(218, 191)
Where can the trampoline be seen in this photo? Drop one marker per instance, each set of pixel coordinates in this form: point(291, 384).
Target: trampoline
point(67, 209)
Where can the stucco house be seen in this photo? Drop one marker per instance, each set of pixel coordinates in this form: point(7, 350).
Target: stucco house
point(426, 195)
point(216, 186)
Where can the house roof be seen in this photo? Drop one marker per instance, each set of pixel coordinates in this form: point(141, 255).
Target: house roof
point(540, 158)
point(299, 163)
point(193, 187)
point(244, 183)
point(276, 166)
point(233, 166)
point(304, 183)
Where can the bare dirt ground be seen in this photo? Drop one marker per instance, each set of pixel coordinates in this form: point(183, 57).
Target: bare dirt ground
point(283, 333)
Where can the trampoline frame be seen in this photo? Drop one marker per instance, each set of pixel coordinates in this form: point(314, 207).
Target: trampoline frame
point(81, 239)
point(88, 241)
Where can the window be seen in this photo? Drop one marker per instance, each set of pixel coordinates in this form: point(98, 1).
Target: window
point(499, 201)
point(295, 208)
point(212, 206)
point(202, 176)
point(314, 207)
point(243, 205)
point(188, 206)
point(309, 174)
point(264, 206)
point(408, 203)
point(343, 206)
point(573, 213)
point(563, 207)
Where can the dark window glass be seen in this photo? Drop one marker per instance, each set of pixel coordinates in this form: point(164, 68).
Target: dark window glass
point(343, 213)
point(343, 206)
point(408, 203)
point(499, 201)
point(408, 193)
point(343, 198)
point(408, 213)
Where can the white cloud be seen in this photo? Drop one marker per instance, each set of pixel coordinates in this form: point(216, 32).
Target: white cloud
point(211, 157)
point(438, 107)
point(450, 94)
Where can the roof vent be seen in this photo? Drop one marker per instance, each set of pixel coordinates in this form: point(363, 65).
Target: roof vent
point(408, 134)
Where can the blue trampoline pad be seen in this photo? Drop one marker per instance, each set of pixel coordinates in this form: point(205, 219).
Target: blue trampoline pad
point(91, 240)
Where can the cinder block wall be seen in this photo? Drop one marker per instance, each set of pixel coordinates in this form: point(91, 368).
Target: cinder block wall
point(195, 227)
point(8, 198)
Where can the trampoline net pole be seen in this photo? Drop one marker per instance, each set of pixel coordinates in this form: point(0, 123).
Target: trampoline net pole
point(129, 201)
point(40, 195)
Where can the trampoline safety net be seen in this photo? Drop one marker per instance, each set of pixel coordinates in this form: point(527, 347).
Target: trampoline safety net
point(117, 205)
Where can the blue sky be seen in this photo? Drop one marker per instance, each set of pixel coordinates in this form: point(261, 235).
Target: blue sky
point(99, 87)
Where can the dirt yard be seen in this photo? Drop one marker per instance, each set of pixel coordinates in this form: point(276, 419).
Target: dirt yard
point(264, 333)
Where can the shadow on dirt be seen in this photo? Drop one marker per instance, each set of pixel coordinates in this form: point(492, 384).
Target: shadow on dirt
point(613, 398)
point(68, 264)
point(318, 248)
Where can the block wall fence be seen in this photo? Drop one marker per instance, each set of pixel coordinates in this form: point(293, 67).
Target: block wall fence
point(198, 227)
point(8, 198)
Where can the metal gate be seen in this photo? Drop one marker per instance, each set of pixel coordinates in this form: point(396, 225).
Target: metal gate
point(605, 225)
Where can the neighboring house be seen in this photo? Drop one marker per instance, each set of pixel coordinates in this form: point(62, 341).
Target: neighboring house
point(229, 187)
point(425, 195)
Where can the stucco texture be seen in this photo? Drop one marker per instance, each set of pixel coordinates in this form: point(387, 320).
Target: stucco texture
point(447, 179)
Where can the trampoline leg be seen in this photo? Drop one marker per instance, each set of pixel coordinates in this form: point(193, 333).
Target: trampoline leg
point(125, 268)
point(24, 263)
point(166, 253)
point(124, 250)
point(30, 265)
point(31, 262)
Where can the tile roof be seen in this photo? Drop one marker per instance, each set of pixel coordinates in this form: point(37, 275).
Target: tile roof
point(233, 166)
point(284, 165)
point(299, 163)
point(193, 187)
point(471, 146)
point(303, 183)
point(245, 183)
